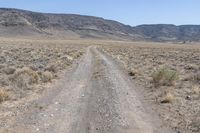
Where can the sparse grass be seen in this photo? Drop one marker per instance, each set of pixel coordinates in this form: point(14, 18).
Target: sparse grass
point(192, 67)
point(168, 98)
point(51, 68)
point(38, 106)
point(3, 95)
point(195, 89)
point(196, 77)
point(9, 70)
point(164, 76)
point(134, 72)
point(46, 76)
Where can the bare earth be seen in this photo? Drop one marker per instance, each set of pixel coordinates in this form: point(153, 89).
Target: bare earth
point(95, 96)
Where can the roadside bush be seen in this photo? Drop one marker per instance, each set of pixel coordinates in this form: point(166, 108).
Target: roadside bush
point(164, 76)
point(24, 77)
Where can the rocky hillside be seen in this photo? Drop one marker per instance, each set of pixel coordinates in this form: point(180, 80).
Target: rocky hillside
point(14, 22)
point(20, 22)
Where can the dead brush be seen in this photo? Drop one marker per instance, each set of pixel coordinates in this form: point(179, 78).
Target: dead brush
point(195, 77)
point(164, 76)
point(195, 89)
point(168, 98)
point(46, 76)
point(4, 96)
point(134, 73)
point(24, 77)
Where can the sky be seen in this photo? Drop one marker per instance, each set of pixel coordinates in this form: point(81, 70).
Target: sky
point(130, 12)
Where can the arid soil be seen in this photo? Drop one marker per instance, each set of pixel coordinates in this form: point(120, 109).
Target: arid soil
point(69, 86)
point(93, 96)
point(178, 104)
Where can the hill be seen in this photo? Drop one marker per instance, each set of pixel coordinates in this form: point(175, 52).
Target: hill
point(15, 22)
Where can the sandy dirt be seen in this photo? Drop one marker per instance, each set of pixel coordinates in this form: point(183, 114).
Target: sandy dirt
point(95, 96)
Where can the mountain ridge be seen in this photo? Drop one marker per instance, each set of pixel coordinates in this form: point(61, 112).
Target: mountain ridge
point(17, 22)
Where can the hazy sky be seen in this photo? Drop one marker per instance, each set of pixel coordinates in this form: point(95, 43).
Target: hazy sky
point(132, 12)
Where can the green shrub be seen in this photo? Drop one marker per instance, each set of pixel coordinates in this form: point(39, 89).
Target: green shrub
point(164, 76)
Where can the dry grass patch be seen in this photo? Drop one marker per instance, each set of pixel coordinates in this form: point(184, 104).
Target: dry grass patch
point(4, 96)
point(46, 76)
point(196, 77)
point(51, 68)
point(165, 76)
point(134, 73)
point(192, 67)
point(9, 70)
point(195, 89)
point(168, 98)
point(24, 77)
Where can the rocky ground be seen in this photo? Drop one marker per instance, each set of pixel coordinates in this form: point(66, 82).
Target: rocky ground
point(171, 80)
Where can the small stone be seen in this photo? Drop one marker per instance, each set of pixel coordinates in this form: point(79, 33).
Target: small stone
point(37, 129)
point(188, 98)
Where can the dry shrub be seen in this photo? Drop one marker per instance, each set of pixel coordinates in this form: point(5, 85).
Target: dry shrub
point(196, 77)
point(77, 54)
point(9, 70)
point(4, 80)
point(4, 96)
point(168, 98)
point(192, 67)
point(24, 77)
point(195, 89)
point(67, 59)
point(134, 72)
point(51, 68)
point(46, 76)
point(165, 76)
point(195, 123)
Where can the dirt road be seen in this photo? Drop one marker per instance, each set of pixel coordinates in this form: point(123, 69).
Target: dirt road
point(95, 97)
